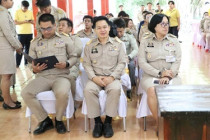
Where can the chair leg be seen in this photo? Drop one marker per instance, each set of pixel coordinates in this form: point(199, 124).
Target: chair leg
point(68, 128)
point(124, 124)
point(85, 123)
point(145, 124)
point(29, 124)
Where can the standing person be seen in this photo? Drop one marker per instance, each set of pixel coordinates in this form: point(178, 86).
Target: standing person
point(88, 32)
point(104, 61)
point(24, 20)
point(121, 7)
point(149, 8)
point(159, 10)
point(8, 43)
point(46, 7)
point(159, 57)
point(174, 18)
point(56, 79)
point(66, 26)
point(139, 15)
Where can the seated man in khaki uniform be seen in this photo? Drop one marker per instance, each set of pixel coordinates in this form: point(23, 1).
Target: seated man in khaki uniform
point(104, 62)
point(88, 31)
point(131, 48)
point(66, 26)
point(56, 79)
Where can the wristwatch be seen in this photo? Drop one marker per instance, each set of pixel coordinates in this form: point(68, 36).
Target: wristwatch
point(67, 64)
point(159, 74)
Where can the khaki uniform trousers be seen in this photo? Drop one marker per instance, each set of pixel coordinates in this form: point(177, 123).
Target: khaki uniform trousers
point(60, 87)
point(91, 92)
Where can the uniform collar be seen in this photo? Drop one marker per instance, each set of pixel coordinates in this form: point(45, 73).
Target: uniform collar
point(109, 40)
point(166, 37)
point(56, 34)
point(2, 7)
point(85, 32)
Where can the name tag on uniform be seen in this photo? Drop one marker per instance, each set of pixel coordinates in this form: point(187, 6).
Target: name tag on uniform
point(170, 58)
point(94, 50)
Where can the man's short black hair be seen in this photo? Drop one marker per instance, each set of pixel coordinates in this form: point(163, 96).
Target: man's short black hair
point(111, 14)
point(149, 3)
point(122, 14)
point(158, 3)
point(46, 18)
point(142, 5)
point(147, 13)
point(69, 21)
point(43, 3)
point(172, 2)
point(120, 5)
point(88, 16)
point(156, 19)
point(25, 4)
point(99, 18)
point(119, 22)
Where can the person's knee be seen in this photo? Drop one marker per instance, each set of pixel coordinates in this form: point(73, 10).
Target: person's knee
point(151, 92)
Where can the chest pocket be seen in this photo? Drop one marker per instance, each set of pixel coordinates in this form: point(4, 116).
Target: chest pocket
point(151, 54)
point(60, 49)
point(170, 50)
point(41, 51)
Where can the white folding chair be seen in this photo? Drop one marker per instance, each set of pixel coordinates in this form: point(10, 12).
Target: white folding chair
point(48, 100)
point(122, 108)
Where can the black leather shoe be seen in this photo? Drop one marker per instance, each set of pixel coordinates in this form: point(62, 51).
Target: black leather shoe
point(47, 124)
point(108, 131)
point(1, 99)
point(5, 106)
point(129, 94)
point(98, 130)
point(60, 127)
point(17, 102)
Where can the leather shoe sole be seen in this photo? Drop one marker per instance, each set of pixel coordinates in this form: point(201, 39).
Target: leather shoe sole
point(17, 106)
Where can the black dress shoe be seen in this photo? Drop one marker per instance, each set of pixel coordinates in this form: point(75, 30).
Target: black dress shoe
point(47, 124)
point(1, 99)
point(17, 102)
point(108, 131)
point(60, 127)
point(98, 130)
point(5, 106)
point(129, 94)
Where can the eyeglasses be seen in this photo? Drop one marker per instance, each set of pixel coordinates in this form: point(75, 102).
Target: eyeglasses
point(46, 29)
point(163, 24)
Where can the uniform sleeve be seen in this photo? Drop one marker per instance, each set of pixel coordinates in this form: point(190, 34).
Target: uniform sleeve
point(201, 26)
point(121, 64)
point(175, 66)
point(79, 46)
point(72, 52)
point(207, 26)
point(5, 26)
point(87, 63)
point(32, 53)
point(147, 68)
point(134, 46)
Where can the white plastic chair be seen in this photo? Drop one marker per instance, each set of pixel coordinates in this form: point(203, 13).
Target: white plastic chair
point(122, 108)
point(48, 100)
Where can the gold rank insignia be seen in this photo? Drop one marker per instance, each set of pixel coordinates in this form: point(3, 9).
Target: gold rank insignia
point(149, 55)
point(65, 34)
point(59, 11)
point(118, 40)
point(94, 61)
point(88, 43)
point(40, 52)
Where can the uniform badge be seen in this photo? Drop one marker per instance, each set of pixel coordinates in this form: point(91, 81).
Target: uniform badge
point(94, 50)
point(150, 45)
point(39, 44)
point(94, 61)
point(149, 55)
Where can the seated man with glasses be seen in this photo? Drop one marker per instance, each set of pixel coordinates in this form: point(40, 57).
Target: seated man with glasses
point(56, 79)
point(160, 57)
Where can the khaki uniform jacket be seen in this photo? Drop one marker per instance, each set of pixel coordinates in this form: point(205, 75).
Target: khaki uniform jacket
point(144, 31)
point(8, 35)
point(104, 60)
point(152, 57)
point(207, 25)
point(74, 71)
point(56, 12)
point(131, 45)
point(82, 34)
point(201, 27)
point(61, 46)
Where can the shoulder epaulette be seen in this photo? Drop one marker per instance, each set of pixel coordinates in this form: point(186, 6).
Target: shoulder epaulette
point(59, 11)
point(35, 39)
point(89, 42)
point(1, 9)
point(172, 35)
point(118, 40)
point(65, 34)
